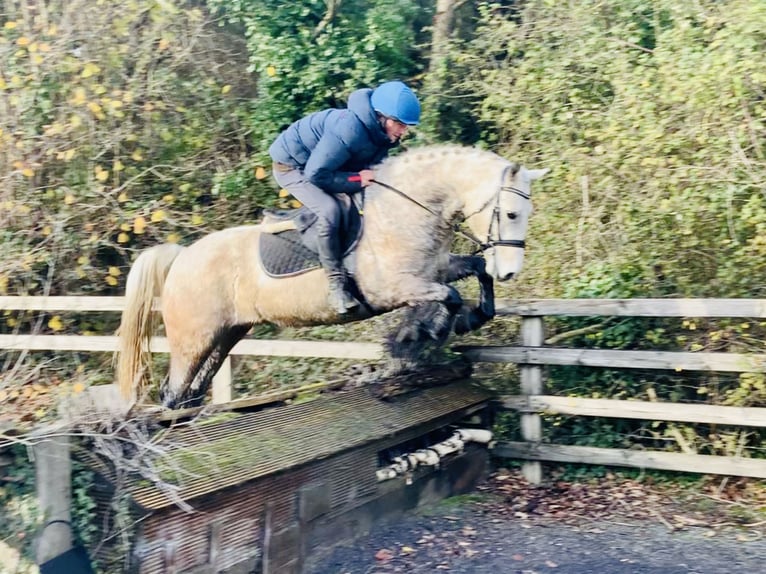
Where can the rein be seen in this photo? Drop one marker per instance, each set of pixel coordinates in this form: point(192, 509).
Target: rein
point(481, 245)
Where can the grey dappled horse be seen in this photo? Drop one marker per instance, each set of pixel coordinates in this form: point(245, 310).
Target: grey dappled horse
point(213, 291)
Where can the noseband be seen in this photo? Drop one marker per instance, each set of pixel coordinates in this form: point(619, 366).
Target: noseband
point(481, 245)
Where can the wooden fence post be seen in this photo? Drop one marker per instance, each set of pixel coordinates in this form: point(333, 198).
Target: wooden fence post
point(532, 335)
point(222, 383)
point(54, 494)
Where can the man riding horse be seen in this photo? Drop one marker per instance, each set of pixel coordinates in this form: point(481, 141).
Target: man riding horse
point(330, 152)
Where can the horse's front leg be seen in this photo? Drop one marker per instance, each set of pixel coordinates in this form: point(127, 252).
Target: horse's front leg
point(460, 267)
point(423, 322)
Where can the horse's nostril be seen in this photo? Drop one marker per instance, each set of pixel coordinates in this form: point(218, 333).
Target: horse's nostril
point(507, 277)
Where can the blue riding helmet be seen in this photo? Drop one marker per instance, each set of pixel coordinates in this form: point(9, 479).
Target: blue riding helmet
point(396, 100)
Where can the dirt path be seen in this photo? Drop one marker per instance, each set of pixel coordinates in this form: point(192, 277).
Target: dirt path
point(609, 527)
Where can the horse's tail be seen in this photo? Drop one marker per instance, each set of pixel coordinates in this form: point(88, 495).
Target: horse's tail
point(144, 282)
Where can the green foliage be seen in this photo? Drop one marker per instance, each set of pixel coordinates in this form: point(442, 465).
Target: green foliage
point(652, 118)
point(310, 54)
point(115, 128)
point(19, 512)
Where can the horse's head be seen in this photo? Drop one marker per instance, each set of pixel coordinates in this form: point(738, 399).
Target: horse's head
point(501, 221)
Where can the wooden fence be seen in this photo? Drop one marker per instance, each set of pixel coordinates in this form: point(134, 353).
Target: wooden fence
point(532, 356)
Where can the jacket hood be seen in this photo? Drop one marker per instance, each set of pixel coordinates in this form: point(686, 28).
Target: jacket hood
point(359, 104)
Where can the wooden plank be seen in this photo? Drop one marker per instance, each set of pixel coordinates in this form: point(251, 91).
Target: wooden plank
point(72, 303)
point(265, 347)
point(671, 361)
point(746, 308)
point(653, 411)
point(700, 463)
point(53, 482)
point(532, 334)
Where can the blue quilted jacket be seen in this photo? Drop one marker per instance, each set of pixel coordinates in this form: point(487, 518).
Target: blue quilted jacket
point(332, 146)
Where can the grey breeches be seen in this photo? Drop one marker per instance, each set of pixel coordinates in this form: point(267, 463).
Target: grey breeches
point(324, 206)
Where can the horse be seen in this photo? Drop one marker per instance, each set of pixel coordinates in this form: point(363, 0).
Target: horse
point(214, 290)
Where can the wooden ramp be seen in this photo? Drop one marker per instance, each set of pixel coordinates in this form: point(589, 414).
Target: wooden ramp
point(272, 489)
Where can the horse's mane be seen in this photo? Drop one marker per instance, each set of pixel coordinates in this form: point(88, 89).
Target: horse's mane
point(430, 171)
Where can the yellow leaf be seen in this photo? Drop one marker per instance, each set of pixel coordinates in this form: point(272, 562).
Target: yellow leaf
point(111, 280)
point(226, 89)
point(79, 97)
point(3, 395)
point(123, 238)
point(158, 216)
point(40, 413)
point(75, 120)
point(27, 172)
point(23, 41)
point(96, 110)
point(283, 193)
point(47, 230)
point(260, 173)
point(139, 225)
point(122, 198)
point(55, 323)
point(197, 219)
point(69, 154)
point(136, 156)
point(114, 271)
point(163, 45)
point(89, 70)
point(82, 260)
point(69, 199)
point(173, 238)
point(118, 165)
point(78, 387)
point(271, 71)
point(169, 198)
point(101, 174)
point(10, 25)
point(37, 59)
point(295, 203)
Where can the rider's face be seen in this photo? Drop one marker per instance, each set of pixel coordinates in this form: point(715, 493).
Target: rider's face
point(395, 129)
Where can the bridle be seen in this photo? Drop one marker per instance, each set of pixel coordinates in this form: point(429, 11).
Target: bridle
point(495, 221)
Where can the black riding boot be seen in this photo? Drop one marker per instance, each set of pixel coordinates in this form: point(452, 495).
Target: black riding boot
point(339, 298)
point(328, 249)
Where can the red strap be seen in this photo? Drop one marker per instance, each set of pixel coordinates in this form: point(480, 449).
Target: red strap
point(355, 178)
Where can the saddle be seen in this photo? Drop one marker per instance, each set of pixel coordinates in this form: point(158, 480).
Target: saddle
point(287, 246)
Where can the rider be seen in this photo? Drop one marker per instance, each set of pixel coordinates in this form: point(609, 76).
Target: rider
point(330, 152)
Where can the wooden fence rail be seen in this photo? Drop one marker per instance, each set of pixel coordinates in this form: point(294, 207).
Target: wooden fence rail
point(532, 356)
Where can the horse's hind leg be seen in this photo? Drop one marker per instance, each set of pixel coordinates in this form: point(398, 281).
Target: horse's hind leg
point(191, 371)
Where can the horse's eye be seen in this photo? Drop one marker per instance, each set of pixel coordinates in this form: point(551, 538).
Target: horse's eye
point(512, 215)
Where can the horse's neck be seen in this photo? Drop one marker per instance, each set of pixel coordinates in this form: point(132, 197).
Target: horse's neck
point(449, 180)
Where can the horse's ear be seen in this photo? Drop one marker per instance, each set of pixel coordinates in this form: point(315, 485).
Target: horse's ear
point(515, 167)
point(537, 173)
